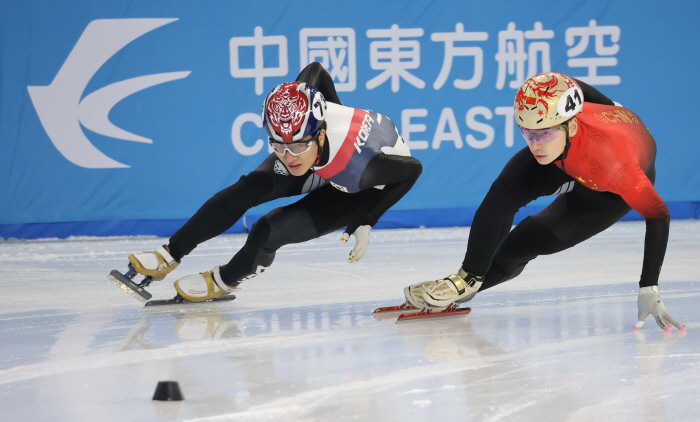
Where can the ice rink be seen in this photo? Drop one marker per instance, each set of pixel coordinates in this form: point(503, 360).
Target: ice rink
point(299, 343)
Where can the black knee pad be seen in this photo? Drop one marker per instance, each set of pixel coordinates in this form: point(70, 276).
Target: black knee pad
point(291, 224)
point(531, 239)
point(515, 247)
point(259, 235)
point(253, 258)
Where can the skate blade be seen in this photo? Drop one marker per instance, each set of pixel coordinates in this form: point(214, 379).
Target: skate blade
point(181, 301)
point(123, 282)
point(403, 307)
point(387, 312)
point(434, 314)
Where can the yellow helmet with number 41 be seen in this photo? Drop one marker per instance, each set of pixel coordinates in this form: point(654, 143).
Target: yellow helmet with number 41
point(547, 100)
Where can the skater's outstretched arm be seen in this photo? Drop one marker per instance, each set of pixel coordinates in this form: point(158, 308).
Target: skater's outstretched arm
point(397, 173)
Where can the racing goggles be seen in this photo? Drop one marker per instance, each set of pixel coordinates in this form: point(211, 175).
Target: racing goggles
point(294, 148)
point(541, 136)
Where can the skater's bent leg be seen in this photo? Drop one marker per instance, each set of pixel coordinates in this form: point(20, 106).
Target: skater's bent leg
point(320, 212)
point(282, 226)
point(220, 212)
point(524, 243)
point(522, 180)
point(569, 220)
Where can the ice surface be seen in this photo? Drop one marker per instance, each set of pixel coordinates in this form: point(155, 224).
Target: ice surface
point(299, 343)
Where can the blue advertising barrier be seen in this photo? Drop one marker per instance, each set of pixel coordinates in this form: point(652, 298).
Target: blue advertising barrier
point(122, 118)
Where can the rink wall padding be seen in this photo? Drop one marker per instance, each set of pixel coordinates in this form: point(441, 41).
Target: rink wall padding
point(445, 217)
point(123, 117)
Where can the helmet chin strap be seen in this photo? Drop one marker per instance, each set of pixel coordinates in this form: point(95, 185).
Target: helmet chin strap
point(320, 152)
point(563, 155)
point(318, 143)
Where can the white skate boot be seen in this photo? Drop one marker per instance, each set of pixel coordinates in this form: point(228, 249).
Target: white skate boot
point(455, 288)
point(156, 264)
point(203, 286)
point(414, 293)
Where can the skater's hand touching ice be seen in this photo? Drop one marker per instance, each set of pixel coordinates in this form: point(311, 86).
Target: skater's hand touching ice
point(649, 302)
point(361, 233)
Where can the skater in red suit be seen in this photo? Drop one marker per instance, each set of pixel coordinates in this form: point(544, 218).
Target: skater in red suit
point(351, 164)
point(599, 157)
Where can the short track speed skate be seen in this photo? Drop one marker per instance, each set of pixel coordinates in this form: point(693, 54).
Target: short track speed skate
point(412, 313)
point(138, 290)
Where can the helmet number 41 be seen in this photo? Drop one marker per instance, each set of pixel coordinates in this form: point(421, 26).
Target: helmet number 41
point(573, 103)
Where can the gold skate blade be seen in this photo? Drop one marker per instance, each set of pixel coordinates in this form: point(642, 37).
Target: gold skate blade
point(121, 281)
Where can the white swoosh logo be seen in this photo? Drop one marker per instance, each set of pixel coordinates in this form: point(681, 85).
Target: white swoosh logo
point(59, 106)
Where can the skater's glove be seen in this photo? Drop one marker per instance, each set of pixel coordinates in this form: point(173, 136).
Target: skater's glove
point(649, 302)
point(361, 234)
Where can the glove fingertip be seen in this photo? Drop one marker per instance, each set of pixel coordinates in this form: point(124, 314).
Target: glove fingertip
point(638, 325)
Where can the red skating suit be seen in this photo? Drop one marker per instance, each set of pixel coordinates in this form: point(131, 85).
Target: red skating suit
point(354, 137)
point(613, 151)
